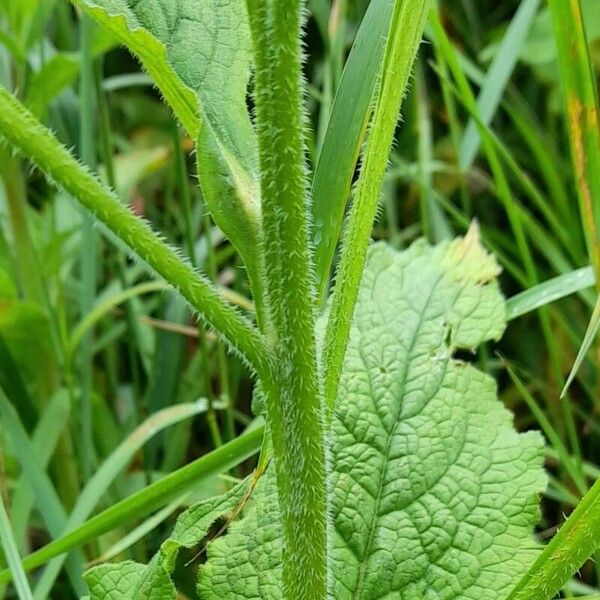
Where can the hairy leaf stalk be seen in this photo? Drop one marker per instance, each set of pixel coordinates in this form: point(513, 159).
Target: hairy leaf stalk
point(408, 22)
point(574, 543)
point(27, 134)
point(295, 404)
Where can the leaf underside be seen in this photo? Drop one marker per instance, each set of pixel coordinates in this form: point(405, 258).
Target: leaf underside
point(129, 580)
point(197, 52)
point(434, 494)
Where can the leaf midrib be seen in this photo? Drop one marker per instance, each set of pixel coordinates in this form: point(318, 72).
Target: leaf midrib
point(364, 563)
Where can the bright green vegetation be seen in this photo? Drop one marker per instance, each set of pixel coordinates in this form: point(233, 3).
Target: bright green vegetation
point(214, 385)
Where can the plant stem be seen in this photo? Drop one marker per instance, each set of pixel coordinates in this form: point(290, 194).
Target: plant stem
point(406, 30)
point(294, 404)
point(88, 250)
point(574, 543)
point(26, 133)
point(222, 365)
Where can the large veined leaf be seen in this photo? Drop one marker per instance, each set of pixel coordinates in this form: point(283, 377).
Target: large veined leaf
point(434, 494)
point(198, 54)
point(133, 581)
point(191, 48)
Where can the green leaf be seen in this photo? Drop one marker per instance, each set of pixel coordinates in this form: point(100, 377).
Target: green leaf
point(246, 563)
point(497, 78)
point(8, 543)
point(434, 494)
point(576, 540)
point(188, 48)
point(154, 580)
point(586, 344)
point(345, 134)
point(198, 53)
point(25, 328)
point(232, 195)
point(116, 582)
point(55, 75)
point(550, 291)
point(540, 48)
point(156, 495)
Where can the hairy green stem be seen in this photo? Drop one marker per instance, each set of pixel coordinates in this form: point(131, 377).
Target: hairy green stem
point(574, 543)
point(295, 404)
point(27, 134)
point(408, 22)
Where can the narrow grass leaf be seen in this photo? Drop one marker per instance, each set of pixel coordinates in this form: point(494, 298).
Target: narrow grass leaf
point(586, 344)
point(345, 134)
point(142, 530)
point(155, 496)
point(103, 308)
point(549, 430)
point(99, 484)
point(497, 78)
point(404, 39)
point(550, 291)
point(47, 500)
point(581, 105)
point(45, 437)
point(12, 557)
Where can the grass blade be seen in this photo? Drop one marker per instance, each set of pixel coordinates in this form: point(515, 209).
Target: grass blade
point(108, 471)
point(588, 340)
point(344, 137)
point(151, 498)
point(45, 437)
point(107, 305)
point(142, 530)
point(581, 101)
point(404, 39)
point(47, 499)
point(88, 253)
point(12, 556)
point(549, 291)
point(550, 432)
point(497, 78)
